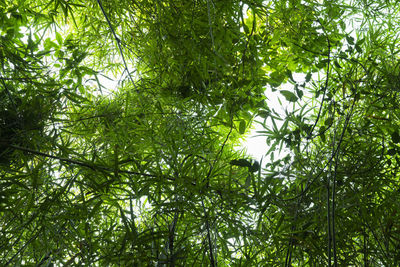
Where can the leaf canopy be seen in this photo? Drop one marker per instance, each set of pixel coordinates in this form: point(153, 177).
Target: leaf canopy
point(120, 121)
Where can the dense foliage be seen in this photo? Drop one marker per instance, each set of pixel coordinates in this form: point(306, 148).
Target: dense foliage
point(119, 122)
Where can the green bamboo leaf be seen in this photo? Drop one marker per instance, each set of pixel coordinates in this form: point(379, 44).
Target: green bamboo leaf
point(291, 97)
point(358, 48)
point(328, 121)
point(254, 167)
point(242, 126)
point(263, 114)
point(95, 208)
point(279, 223)
point(59, 38)
point(350, 40)
point(337, 64)
point(298, 92)
point(248, 181)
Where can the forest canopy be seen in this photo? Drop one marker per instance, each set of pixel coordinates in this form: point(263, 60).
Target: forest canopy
point(120, 121)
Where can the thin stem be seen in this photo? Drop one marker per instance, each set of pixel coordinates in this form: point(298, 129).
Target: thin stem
point(79, 163)
point(333, 211)
point(210, 25)
point(212, 262)
point(328, 217)
point(118, 44)
point(325, 86)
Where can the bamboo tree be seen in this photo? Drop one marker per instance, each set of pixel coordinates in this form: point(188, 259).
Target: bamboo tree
point(145, 171)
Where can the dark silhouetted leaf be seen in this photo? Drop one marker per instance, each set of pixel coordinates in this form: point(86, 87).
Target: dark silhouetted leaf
point(291, 97)
point(240, 163)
